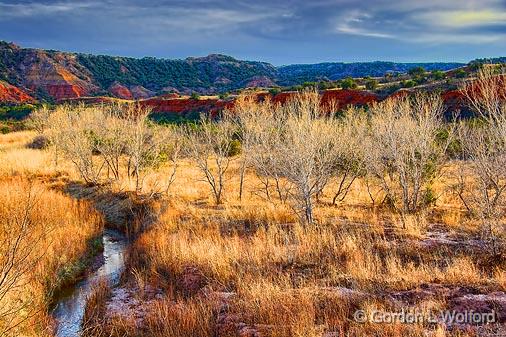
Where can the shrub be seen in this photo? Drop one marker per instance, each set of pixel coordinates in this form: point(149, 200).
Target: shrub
point(234, 148)
point(348, 83)
point(274, 91)
point(38, 143)
point(371, 84)
point(408, 84)
point(417, 71)
point(460, 73)
point(438, 75)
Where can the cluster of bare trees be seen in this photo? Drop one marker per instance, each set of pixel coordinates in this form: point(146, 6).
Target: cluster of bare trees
point(404, 150)
point(295, 145)
point(303, 148)
point(109, 142)
point(304, 145)
point(401, 145)
point(483, 142)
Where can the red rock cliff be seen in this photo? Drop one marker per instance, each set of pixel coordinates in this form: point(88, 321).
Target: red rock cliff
point(120, 91)
point(12, 94)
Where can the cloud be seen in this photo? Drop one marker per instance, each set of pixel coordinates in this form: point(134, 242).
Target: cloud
point(352, 24)
point(18, 10)
point(428, 22)
point(470, 18)
point(269, 30)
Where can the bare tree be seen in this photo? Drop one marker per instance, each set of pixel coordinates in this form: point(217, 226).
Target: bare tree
point(487, 93)
point(70, 131)
point(39, 119)
point(209, 144)
point(484, 146)
point(349, 152)
point(19, 254)
point(145, 142)
point(256, 125)
point(110, 129)
point(297, 144)
point(243, 114)
point(172, 150)
point(403, 150)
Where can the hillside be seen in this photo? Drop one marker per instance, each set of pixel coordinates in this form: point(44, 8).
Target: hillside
point(53, 75)
point(299, 73)
point(59, 75)
point(210, 74)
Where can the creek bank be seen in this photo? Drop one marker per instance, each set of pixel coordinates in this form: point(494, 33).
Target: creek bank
point(70, 302)
point(126, 215)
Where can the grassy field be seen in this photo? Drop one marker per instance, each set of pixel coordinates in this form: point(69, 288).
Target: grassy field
point(250, 264)
point(47, 238)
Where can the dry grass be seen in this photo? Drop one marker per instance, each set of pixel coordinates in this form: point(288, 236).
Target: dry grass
point(58, 235)
point(17, 159)
point(283, 278)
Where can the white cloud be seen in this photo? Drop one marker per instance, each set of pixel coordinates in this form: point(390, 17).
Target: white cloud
point(428, 22)
point(8, 10)
point(354, 23)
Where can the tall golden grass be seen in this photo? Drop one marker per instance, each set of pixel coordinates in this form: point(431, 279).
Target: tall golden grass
point(57, 234)
point(249, 262)
point(288, 278)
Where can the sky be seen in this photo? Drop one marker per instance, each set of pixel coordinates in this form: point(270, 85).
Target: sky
point(279, 32)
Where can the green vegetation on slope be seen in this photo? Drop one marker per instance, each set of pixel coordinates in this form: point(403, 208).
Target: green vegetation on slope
point(207, 74)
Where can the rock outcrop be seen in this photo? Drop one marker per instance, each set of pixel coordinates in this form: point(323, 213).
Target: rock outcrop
point(139, 92)
point(120, 91)
point(63, 91)
point(11, 94)
point(62, 75)
point(185, 106)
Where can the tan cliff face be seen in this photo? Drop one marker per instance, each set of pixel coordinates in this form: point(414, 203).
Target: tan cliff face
point(56, 76)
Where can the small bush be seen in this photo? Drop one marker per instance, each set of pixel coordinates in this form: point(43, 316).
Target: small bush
point(348, 83)
point(274, 91)
point(38, 143)
point(234, 148)
point(371, 84)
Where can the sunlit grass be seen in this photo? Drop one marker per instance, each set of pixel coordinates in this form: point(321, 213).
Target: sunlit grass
point(57, 233)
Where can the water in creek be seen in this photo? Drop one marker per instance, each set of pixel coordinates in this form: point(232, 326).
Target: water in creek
point(70, 303)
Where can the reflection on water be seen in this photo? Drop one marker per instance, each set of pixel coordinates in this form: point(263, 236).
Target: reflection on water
point(71, 302)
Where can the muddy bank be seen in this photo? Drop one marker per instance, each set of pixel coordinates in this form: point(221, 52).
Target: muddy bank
point(125, 216)
point(126, 212)
point(71, 301)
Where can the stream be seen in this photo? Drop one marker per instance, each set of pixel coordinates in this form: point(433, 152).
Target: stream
point(70, 302)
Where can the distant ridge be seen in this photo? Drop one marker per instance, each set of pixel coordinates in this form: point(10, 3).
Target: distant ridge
point(55, 75)
point(296, 73)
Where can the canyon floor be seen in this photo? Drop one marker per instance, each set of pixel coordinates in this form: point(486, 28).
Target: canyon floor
point(249, 268)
